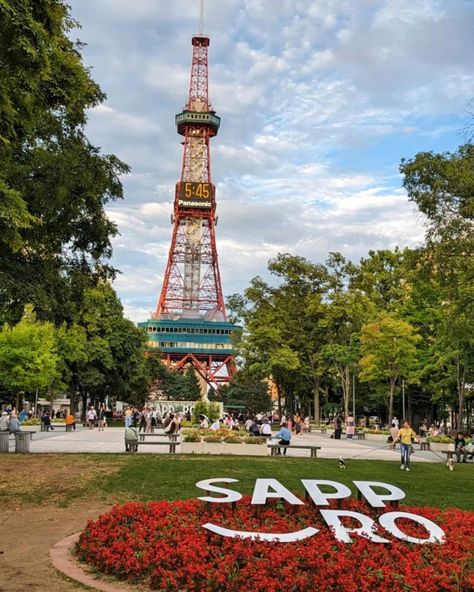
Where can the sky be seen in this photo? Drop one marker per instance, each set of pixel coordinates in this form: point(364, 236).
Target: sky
point(319, 101)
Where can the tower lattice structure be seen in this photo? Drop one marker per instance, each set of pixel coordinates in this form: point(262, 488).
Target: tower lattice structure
point(192, 283)
point(189, 324)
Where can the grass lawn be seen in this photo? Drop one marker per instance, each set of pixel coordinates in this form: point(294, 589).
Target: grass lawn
point(62, 480)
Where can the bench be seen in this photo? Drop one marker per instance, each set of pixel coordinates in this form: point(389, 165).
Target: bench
point(171, 437)
point(451, 453)
point(56, 426)
point(422, 445)
point(320, 430)
point(172, 443)
point(274, 448)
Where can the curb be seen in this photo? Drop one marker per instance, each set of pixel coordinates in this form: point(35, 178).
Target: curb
point(63, 560)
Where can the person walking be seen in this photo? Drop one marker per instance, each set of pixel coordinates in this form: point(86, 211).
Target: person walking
point(406, 435)
point(337, 427)
point(128, 417)
point(91, 417)
point(101, 417)
point(350, 426)
point(393, 435)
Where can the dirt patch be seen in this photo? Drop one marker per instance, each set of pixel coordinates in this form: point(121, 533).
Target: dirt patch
point(44, 499)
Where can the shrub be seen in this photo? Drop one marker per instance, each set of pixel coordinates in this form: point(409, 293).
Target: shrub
point(254, 440)
point(192, 438)
point(232, 440)
point(440, 439)
point(31, 422)
point(216, 439)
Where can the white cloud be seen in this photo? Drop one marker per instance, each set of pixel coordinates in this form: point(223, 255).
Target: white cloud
point(319, 101)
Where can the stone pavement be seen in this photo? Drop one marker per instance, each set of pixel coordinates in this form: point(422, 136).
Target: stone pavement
point(111, 440)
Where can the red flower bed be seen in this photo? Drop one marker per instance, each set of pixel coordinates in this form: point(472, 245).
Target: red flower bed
point(164, 545)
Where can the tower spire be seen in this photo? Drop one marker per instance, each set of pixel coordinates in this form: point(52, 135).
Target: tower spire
point(201, 19)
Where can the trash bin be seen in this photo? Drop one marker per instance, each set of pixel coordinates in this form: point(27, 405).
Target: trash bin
point(22, 442)
point(4, 441)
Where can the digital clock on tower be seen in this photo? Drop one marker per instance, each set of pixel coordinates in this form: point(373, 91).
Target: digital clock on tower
point(198, 191)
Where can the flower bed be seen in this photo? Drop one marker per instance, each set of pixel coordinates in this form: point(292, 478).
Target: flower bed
point(163, 545)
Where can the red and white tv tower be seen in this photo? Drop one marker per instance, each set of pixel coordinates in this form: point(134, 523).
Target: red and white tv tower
point(189, 325)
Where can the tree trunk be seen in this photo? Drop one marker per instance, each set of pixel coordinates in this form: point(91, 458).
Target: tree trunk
point(317, 404)
point(72, 396)
point(278, 399)
point(84, 404)
point(461, 375)
point(346, 389)
point(393, 382)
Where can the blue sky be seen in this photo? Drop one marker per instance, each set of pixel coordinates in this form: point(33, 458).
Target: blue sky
point(319, 100)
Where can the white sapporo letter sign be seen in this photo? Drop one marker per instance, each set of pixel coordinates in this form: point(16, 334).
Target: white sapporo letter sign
point(271, 488)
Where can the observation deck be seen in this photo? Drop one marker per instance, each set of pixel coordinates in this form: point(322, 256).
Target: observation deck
point(190, 336)
point(196, 118)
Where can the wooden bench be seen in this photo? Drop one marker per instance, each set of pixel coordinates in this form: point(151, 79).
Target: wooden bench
point(422, 445)
point(170, 437)
point(449, 454)
point(274, 448)
point(56, 426)
point(172, 442)
point(320, 430)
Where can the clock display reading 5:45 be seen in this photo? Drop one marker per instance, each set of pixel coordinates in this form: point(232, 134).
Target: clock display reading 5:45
point(190, 190)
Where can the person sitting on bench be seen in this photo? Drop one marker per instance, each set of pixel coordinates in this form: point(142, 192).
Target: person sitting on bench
point(131, 437)
point(285, 436)
point(460, 447)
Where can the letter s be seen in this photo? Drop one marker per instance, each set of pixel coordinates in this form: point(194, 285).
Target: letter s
point(230, 495)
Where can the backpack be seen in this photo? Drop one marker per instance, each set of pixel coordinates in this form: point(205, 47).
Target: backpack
point(169, 429)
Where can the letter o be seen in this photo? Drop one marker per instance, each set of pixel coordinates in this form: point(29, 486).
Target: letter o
point(387, 520)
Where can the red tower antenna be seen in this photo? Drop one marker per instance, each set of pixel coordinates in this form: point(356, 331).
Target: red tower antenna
point(192, 284)
point(191, 308)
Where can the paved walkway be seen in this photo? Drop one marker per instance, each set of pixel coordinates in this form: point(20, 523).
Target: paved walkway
point(111, 440)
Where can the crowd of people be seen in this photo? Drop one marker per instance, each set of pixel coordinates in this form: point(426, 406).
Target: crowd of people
point(10, 421)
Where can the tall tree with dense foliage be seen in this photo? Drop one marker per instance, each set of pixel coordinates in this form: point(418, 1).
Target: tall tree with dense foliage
point(246, 393)
point(389, 354)
point(53, 183)
point(115, 351)
point(442, 186)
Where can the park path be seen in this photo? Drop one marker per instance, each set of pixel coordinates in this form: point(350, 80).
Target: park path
point(110, 440)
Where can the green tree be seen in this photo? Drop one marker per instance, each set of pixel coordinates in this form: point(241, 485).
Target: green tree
point(442, 186)
point(29, 359)
point(191, 389)
point(115, 362)
point(53, 183)
point(389, 353)
point(244, 390)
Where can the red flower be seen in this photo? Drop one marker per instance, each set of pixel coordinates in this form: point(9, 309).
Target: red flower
point(164, 545)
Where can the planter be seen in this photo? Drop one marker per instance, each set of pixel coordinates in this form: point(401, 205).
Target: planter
point(30, 428)
point(246, 449)
point(212, 447)
point(440, 446)
point(377, 437)
point(190, 448)
point(222, 448)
